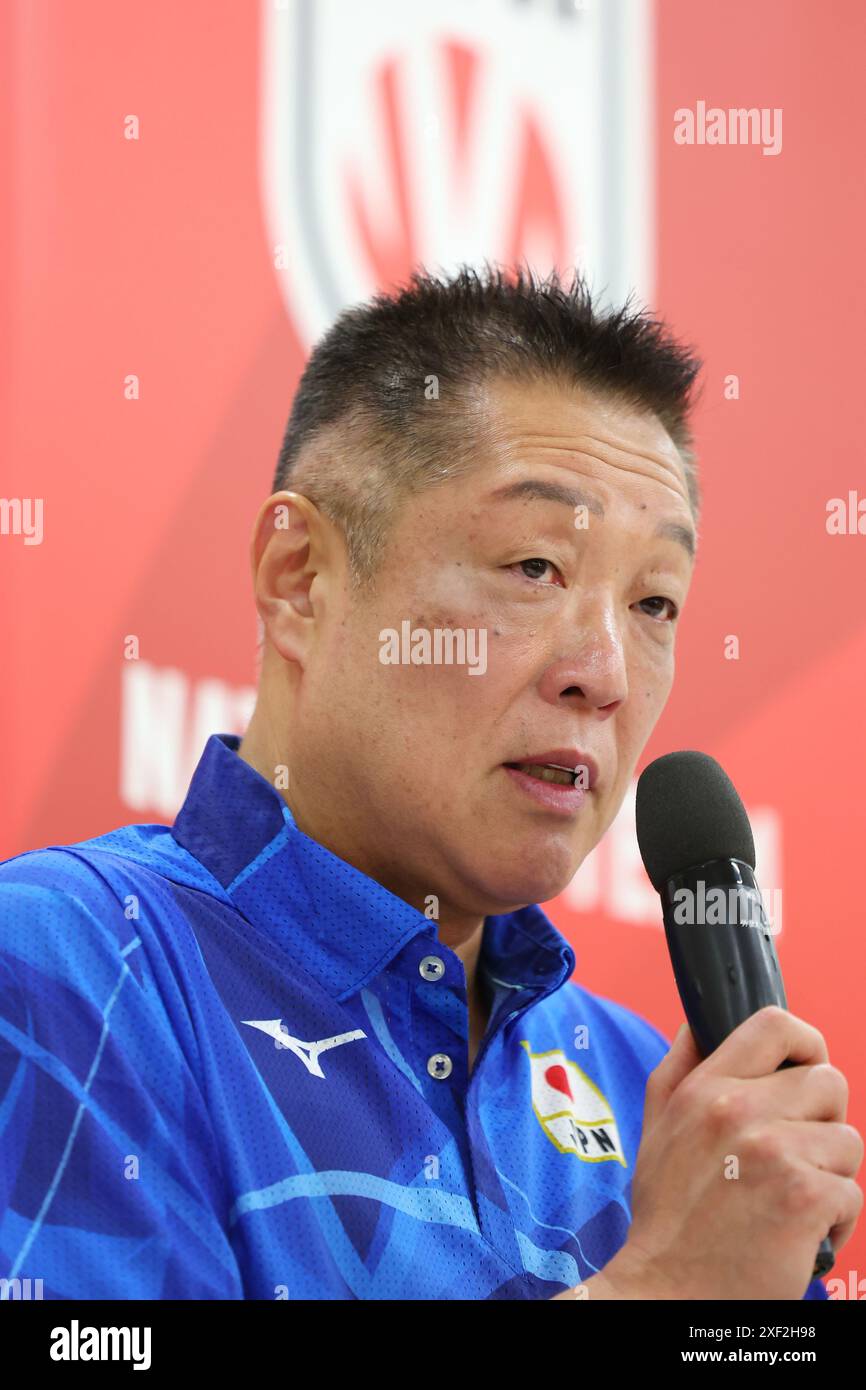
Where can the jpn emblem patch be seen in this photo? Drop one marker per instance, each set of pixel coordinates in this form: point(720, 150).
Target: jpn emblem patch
point(574, 1114)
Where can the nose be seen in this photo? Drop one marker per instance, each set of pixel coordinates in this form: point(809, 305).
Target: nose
point(593, 674)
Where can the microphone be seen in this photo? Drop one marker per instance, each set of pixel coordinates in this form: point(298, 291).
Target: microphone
point(696, 844)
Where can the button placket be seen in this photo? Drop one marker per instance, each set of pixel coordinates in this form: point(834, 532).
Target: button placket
point(439, 1064)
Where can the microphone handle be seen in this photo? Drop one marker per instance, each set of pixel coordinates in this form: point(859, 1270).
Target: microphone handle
point(725, 968)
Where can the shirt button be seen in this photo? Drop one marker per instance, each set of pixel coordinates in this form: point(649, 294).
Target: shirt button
point(431, 968)
point(439, 1066)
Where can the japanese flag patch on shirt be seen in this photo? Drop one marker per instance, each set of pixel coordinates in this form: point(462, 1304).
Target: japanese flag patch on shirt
point(571, 1109)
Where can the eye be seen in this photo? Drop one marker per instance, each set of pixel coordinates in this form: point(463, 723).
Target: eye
point(675, 612)
point(534, 568)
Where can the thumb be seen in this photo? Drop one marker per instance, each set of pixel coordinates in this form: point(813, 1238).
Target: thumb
point(682, 1058)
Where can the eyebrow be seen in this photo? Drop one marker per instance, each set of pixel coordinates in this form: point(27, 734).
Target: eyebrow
point(539, 490)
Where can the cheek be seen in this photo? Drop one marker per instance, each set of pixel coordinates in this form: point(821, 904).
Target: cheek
point(454, 692)
point(651, 675)
point(384, 689)
point(636, 720)
point(659, 688)
point(442, 655)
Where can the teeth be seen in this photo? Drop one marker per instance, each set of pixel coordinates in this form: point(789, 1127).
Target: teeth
point(563, 776)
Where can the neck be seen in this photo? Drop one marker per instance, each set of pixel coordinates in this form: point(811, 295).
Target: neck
point(460, 933)
point(468, 950)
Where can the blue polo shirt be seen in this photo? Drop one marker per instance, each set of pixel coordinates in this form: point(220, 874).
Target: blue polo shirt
point(233, 1066)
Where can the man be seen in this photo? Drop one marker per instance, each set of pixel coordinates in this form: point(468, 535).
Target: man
point(317, 1040)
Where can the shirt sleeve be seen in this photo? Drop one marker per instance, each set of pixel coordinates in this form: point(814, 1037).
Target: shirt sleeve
point(105, 1186)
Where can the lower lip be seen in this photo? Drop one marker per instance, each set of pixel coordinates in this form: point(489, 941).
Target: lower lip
point(565, 800)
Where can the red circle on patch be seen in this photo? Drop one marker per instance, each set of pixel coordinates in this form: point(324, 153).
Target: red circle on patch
point(557, 1077)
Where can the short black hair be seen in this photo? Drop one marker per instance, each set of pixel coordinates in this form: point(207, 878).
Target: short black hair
point(385, 403)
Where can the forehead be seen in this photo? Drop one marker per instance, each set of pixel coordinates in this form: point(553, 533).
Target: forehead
point(572, 427)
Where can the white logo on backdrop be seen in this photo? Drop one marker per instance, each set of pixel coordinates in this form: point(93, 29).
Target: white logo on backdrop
point(394, 135)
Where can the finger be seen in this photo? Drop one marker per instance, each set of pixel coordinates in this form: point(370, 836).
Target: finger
point(681, 1058)
point(798, 1093)
point(763, 1042)
point(844, 1203)
point(835, 1148)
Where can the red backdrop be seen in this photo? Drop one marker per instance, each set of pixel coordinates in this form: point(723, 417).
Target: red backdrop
point(160, 258)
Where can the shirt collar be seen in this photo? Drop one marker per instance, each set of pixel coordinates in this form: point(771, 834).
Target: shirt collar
point(341, 925)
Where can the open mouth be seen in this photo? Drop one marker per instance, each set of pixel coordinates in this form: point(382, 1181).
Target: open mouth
point(548, 772)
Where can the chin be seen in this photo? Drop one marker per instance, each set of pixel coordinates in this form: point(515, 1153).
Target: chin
point(517, 881)
point(522, 896)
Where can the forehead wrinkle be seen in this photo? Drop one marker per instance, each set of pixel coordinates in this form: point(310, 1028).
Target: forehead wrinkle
point(667, 467)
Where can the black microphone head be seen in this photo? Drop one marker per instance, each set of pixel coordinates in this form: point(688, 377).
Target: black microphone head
point(688, 812)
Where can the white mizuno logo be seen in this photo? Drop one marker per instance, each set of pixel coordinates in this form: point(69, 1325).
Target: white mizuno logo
point(307, 1051)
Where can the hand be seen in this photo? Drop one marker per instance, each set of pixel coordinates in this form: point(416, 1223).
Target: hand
point(698, 1231)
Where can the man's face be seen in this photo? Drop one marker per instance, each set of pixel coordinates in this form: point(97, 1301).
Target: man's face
point(404, 766)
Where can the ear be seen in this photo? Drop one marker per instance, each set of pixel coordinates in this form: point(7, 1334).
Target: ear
point(293, 555)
